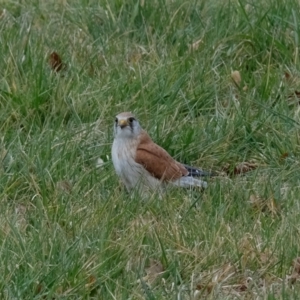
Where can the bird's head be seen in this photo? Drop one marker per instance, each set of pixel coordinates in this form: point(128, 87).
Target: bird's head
point(126, 125)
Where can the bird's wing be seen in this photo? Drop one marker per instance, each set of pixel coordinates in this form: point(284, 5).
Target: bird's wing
point(157, 161)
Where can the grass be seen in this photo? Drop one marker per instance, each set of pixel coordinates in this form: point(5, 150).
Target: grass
point(68, 229)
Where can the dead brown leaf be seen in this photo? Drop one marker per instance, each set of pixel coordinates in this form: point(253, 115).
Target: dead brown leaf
point(55, 62)
point(20, 211)
point(295, 94)
point(290, 78)
point(264, 257)
point(296, 271)
point(284, 155)
point(296, 264)
point(264, 204)
point(39, 288)
point(210, 287)
point(292, 82)
point(241, 168)
point(91, 281)
point(225, 272)
point(134, 57)
point(2, 12)
point(293, 98)
point(235, 287)
point(65, 186)
point(221, 275)
point(195, 46)
point(206, 287)
point(154, 270)
point(241, 287)
point(245, 167)
point(252, 251)
point(293, 278)
point(273, 206)
point(248, 249)
point(3, 153)
point(287, 75)
point(236, 77)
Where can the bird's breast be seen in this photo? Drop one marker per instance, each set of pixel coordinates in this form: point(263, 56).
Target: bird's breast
point(131, 172)
point(123, 156)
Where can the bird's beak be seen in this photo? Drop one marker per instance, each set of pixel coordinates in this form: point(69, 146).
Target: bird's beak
point(123, 123)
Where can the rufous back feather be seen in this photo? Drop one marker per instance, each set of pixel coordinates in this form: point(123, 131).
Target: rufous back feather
point(157, 161)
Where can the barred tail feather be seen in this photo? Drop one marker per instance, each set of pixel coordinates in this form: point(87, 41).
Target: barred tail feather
point(195, 172)
point(188, 181)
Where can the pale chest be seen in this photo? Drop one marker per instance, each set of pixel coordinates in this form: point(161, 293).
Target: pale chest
point(123, 157)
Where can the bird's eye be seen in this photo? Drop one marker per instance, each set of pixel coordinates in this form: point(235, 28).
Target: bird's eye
point(131, 119)
point(116, 120)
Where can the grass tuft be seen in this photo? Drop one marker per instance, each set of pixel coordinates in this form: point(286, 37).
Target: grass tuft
point(216, 83)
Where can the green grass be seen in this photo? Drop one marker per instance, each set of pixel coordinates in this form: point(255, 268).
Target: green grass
point(68, 229)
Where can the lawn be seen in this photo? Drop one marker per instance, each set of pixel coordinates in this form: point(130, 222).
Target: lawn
point(216, 83)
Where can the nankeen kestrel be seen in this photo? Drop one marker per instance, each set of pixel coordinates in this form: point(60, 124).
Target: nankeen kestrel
point(142, 164)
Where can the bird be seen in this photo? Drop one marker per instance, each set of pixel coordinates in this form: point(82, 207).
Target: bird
point(143, 165)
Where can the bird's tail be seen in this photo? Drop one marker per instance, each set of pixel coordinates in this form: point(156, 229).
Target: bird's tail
point(194, 172)
point(188, 182)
